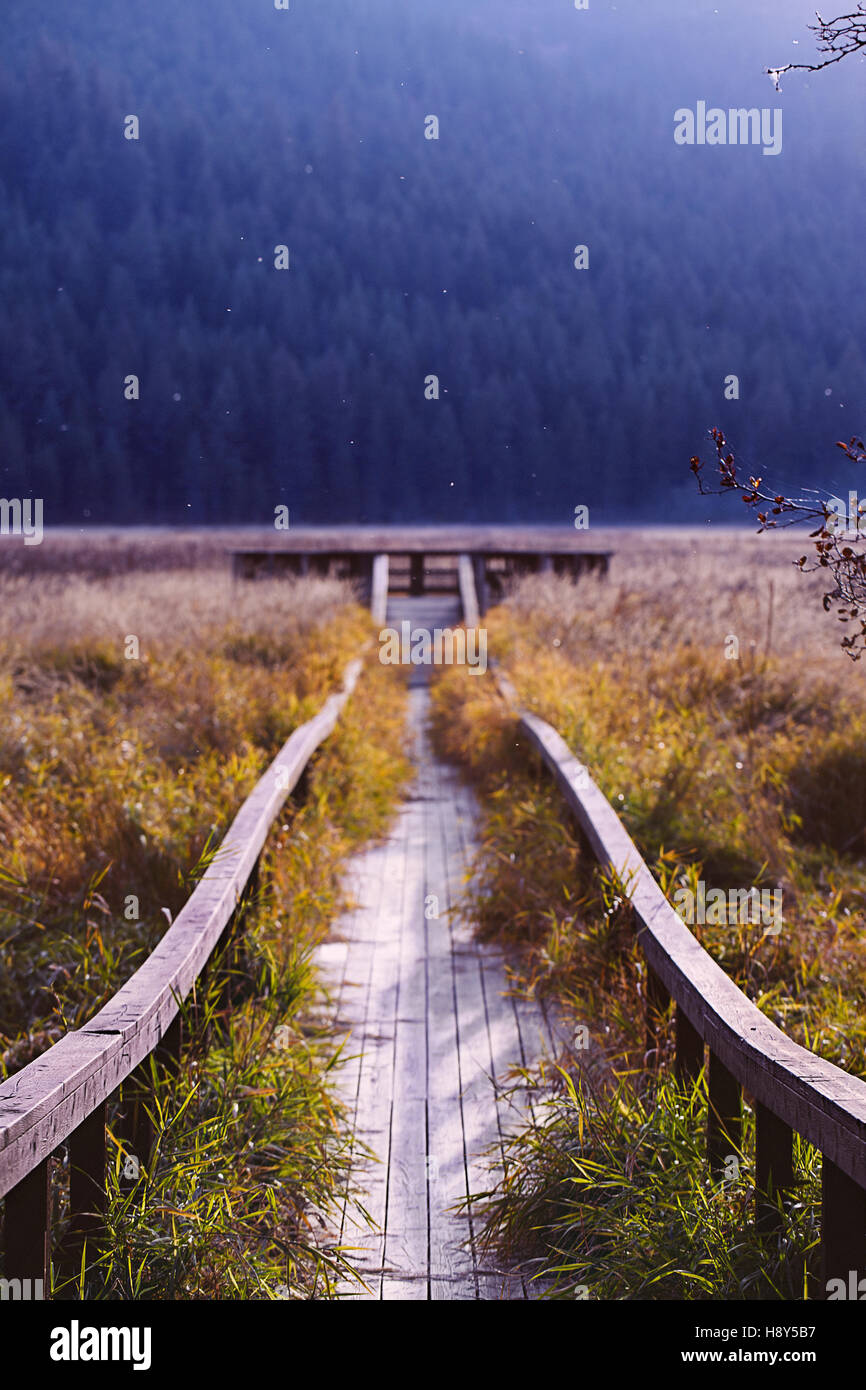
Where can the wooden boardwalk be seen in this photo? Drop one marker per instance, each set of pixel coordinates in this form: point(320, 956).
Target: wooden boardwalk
point(433, 1035)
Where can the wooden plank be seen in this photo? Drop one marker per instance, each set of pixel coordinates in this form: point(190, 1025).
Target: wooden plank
point(774, 1173)
point(342, 960)
point(364, 880)
point(406, 1238)
point(88, 1198)
point(452, 1256)
point(843, 1228)
point(656, 1004)
point(26, 1223)
point(452, 1262)
point(379, 954)
point(483, 1135)
point(452, 1266)
point(517, 1037)
point(379, 596)
point(436, 1007)
point(500, 541)
point(468, 596)
point(689, 1050)
point(724, 1122)
point(405, 1254)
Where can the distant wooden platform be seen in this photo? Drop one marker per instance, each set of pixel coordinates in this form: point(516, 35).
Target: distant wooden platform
point(430, 540)
point(424, 560)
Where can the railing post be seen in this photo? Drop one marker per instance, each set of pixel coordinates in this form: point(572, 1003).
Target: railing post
point(482, 593)
point(232, 945)
point(774, 1172)
point(27, 1223)
point(724, 1114)
point(168, 1048)
point(88, 1200)
point(379, 569)
point(134, 1126)
point(300, 795)
point(657, 1001)
point(416, 575)
point(843, 1228)
point(689, 1050)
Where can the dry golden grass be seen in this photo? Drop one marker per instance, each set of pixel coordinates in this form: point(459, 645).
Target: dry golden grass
point(167, 610)
point(748, 771)
point(740, 771)
point(115, 771)
point(669, 589)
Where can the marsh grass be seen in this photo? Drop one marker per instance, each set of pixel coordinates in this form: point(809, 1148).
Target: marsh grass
point(740, 772)
point(118, 780)
point(612, 1186)
point(115, 774)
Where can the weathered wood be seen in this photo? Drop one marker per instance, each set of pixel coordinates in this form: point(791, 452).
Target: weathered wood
point(493, 1099)
point(416, 574)
point(26, 1226)
point(436, 1035)
point(530, 541)
point(468, 596)
point(480, 982)
point(133, 1124)
point(43, 1103)
point(406, 1234)
point(88, 1200)
point(843, 1228)
point(379, 594)
point(370, 1012)
point(168, 1050)
point(452, 1262)
point(689, 1049)
point(817, 1099)
point(724, 1115)
point(482, 591)
point(774, 1172)
point(656, 1006)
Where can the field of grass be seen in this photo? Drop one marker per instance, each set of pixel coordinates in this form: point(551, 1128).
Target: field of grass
point(121, 764)
point(703, 683)
point(743, 770)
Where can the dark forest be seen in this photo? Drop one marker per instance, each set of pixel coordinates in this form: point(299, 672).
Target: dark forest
point(410, 257)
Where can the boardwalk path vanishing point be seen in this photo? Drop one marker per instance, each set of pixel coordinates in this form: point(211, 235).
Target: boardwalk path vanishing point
point(433, 1035)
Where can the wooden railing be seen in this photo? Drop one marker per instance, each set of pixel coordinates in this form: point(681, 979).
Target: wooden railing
point(62, 1095)
point(379, 589)
point(468, 592)
point(793, 1089)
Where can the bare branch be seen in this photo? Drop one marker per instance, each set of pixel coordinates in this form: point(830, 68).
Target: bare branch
point(837, 39)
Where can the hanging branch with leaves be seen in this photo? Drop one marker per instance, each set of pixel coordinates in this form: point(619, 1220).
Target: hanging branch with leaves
point(839, 540)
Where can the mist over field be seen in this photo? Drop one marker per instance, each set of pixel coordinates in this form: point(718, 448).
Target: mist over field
point(410, 257)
